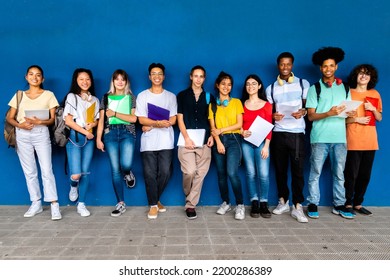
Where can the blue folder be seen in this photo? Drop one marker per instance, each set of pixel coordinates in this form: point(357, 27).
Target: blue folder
point(157, 113)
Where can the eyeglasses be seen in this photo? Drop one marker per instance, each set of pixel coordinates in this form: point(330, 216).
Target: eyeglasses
point(157, 74)
point(251, 84)
point(364, 73)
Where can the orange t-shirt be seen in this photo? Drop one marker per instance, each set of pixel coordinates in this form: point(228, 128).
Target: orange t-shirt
point(362, 137)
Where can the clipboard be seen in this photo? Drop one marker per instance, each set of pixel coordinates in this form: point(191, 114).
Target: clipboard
point(157, 113)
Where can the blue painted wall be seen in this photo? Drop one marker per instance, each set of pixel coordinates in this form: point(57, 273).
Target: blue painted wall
point(239, 37)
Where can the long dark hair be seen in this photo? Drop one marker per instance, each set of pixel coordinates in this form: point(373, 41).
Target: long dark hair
point(74, 87)
point(260, 92)
point(366, 69)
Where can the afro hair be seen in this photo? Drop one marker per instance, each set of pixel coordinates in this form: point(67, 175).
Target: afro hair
point(328, 53)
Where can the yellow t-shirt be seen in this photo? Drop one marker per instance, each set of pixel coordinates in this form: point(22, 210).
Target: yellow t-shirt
point(46, 100)
point(362, 137)
point(227, 116)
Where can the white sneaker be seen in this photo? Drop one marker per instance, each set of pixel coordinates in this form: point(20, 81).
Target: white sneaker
point(297, 213)
point(240, 212)
point(282, 207)
point(223, 208)
point(73, 194)
point(82, 210)
point(35, 208)
point(55, 211)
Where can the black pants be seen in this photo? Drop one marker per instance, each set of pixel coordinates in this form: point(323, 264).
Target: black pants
point(157, 167)
point(287, 147)
point(357, 174)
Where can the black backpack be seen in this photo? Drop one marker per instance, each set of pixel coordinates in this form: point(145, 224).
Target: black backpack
point(318, 90)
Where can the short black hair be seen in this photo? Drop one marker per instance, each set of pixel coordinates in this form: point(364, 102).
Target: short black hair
point(285, 55)
point(328, 53)
point(156, 65)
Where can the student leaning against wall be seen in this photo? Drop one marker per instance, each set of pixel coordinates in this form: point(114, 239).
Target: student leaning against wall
point(81, 115)
point(116, 135)
point(32, 136)
point(362, 139)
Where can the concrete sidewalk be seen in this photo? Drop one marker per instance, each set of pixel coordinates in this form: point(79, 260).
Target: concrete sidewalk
point(172, 236)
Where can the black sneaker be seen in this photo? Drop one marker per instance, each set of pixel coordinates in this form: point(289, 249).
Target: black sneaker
point(191, 213)
point(264, 211)
point(120, 208)
point(130, 180)
point(255, 211)
point(312, 211)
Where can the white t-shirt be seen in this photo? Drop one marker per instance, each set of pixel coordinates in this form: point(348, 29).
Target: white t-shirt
point(158, 138)
point(79, 114)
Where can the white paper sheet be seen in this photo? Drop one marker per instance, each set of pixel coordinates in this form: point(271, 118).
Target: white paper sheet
point(287, 110)
point(260, 129)
point(350, 106)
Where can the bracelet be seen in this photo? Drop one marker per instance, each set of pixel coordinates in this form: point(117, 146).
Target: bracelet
point(115, 114)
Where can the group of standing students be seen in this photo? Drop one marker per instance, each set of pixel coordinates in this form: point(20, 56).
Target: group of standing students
point(226, 122)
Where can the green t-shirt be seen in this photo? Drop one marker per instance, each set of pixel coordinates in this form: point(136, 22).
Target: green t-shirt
point(330, 129)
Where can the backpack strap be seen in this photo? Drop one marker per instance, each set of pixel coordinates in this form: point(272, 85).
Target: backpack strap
point(301, 84)
point(105, 104)
point(207, 97)
point(19, 97)
point(318, 90)
point(272, 97)
point(346, 87)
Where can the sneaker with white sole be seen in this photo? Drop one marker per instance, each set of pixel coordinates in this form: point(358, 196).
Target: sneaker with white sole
point(130, 180)
point(312, 211)
point(282, 207)
point(240, 212)
point(35, 208)
point(82, 210)
point(73, 194)
point(223, 208)
point(297, 213)
point(343, 212)
point(153, 212)
point(120, 208)
point(55, 211)
point(161, 208)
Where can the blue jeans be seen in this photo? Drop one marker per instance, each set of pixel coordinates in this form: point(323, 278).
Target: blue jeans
point(80, 151)
point(157, 167)
point(337, 154)
point(119, 144)
point(257, 171)
point(227, 166)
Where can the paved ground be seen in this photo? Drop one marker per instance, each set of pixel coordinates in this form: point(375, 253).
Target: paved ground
point(172, 236)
